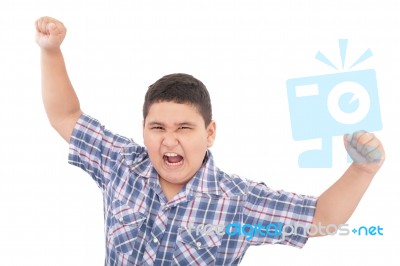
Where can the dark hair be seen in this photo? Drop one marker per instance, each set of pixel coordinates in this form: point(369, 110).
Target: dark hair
point(179, 88)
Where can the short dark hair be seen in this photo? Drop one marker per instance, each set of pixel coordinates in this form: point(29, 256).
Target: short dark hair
point(180, 88)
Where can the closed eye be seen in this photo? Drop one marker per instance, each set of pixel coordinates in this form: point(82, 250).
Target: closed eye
point(184, 128)
point(157, 128)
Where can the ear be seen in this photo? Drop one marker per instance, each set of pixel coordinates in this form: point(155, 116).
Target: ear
point(211, 133)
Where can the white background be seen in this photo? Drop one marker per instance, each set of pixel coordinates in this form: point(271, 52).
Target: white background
point(51, 212)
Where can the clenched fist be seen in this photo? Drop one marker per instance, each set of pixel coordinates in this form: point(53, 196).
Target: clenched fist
point(366, 150)
point(50, 33)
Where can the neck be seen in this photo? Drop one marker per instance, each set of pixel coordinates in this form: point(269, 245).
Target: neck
point(169, 189)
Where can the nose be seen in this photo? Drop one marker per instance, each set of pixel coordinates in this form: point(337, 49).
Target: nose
point(170, 139)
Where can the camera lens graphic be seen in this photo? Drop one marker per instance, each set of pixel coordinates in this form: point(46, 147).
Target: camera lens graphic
point(348, 102)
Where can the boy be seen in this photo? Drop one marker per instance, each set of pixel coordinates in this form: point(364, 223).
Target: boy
point(167, 203)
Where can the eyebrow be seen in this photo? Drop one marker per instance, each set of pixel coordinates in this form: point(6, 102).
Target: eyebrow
point(185, 123)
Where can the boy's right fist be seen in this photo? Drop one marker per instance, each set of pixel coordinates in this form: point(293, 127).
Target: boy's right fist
point(50, 33)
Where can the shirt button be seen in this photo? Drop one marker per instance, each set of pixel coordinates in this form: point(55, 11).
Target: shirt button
point(121, 219)
point(198, 244)
point(155, 240)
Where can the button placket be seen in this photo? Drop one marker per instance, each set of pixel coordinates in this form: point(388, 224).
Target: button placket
point(156, 236)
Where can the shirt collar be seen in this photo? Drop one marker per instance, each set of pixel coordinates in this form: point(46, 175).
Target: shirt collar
point(205, 181)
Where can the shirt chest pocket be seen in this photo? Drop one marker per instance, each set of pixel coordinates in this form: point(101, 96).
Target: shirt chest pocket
point(199, 249)
point(124, 233)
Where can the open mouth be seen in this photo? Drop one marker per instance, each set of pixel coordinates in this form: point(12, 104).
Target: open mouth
point(173, 159)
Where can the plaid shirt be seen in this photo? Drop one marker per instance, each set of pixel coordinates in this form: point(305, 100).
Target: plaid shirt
point(143, 228)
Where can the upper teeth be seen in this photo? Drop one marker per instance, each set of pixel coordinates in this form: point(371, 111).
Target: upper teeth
point(171, 154)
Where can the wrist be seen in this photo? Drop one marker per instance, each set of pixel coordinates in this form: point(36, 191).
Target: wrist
point(365, 170)
point(51, 51)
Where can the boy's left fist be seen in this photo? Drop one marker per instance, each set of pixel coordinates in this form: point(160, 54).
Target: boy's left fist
point(365, 149)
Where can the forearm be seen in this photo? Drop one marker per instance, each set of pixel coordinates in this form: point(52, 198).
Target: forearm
point(59, 98)
point(337, 203)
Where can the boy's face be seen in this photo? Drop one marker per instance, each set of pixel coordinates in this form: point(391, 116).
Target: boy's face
point(177, 140)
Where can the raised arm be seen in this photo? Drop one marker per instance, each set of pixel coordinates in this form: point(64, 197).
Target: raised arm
point(338, 202)
point(59, 98)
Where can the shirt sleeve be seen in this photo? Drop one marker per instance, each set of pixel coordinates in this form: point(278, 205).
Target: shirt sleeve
point(278, 217)
point(95, 149)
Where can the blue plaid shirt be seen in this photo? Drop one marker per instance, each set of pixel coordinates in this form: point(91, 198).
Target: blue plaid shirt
point(143, 228)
